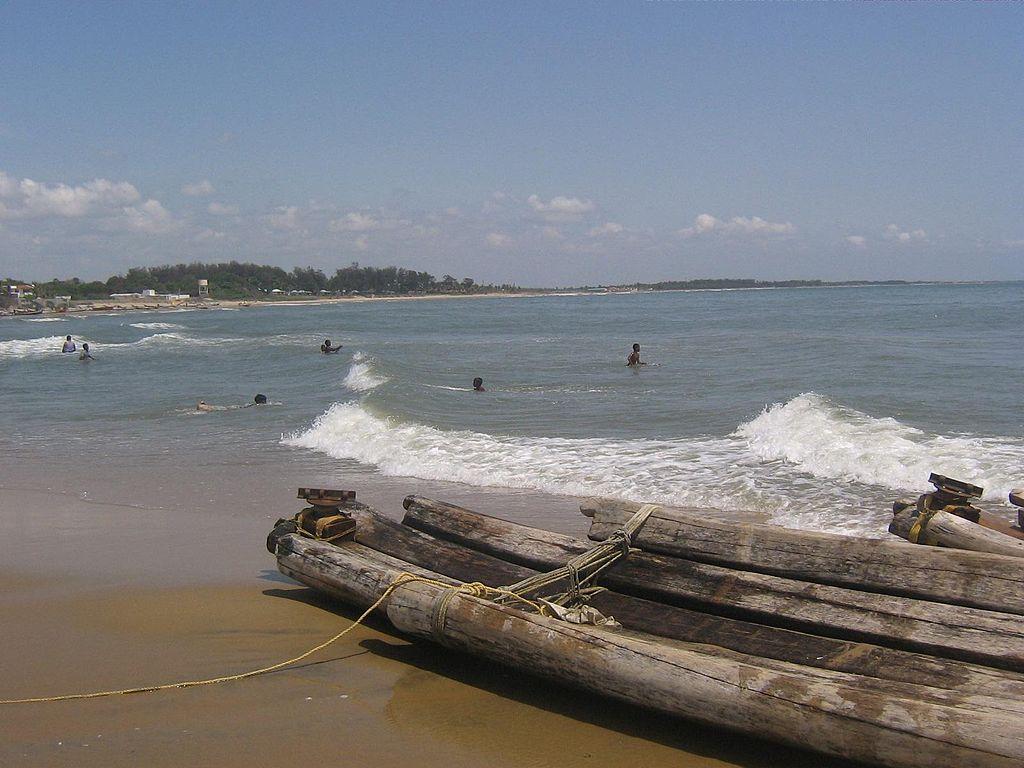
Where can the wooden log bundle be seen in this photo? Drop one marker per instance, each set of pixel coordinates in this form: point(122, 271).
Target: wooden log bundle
point(467, 565)
point(959, 577)
point(955, 632)
point(947, 530)
point(904, 726)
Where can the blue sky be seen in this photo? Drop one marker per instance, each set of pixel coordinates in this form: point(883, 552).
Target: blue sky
point(540, 143)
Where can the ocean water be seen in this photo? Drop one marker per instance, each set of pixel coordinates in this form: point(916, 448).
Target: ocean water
point(812, 407)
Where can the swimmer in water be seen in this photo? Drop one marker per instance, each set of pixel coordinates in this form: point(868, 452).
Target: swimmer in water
point(478, 385)
point(258, 400)
point(85, 354)
point(634, 358)
point(69, 345)
point(202, 405)
point(327, 348)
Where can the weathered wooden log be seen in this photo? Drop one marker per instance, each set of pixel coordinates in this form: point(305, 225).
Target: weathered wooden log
point(976, 579)
point(809, 708)
point(984, 637)
point(467, 565)
point(830, 713)
point(946, 530)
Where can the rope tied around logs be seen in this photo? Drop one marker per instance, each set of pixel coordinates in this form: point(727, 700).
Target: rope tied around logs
point(584, 569)
point(581, 572)
point(924, 516)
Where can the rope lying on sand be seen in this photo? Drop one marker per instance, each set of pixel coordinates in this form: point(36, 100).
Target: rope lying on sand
point(590, 563)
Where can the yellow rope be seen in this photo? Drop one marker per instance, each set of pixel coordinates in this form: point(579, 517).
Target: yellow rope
point(476, 589)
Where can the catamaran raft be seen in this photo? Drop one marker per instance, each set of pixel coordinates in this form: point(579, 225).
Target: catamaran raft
point(880, 651)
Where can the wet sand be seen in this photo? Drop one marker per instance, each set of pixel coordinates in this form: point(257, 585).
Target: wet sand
point(99, 594)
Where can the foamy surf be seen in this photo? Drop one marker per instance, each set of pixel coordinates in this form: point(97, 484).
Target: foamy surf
point(362, 376)
point(806, 464)
point(49, 346)
point(157, 326)
point(46, 346)
point(833, 442)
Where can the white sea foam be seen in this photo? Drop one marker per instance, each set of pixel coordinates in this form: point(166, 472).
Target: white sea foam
point(48, 346)
point(362, 376)
point(43, 319)
point(28, 348)
point(157, 326)
point(807, 463)
point(832, 442)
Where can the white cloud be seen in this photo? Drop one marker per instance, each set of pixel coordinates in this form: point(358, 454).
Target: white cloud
point(705, 223)
point(607, 229)
point(31, 199)
point(354, 222)
point(892, 232)
point(222, 209)
point(498, 240)
point(858, 240)
point(287, 217)
point(362, 243)
point(560, 208)
point(150, 218)
point(198, 189)
point(208, 234)
point(552, 233)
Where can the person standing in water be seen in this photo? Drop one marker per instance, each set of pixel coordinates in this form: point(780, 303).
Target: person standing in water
point(478, 385)
point(85, 354)
point(634, 358)
point(327, 348)
point(69, 345)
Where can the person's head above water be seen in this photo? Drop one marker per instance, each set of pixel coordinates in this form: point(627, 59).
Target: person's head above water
point(260, 399)
point(327, 342)
point(68, 337)
point(636, 347)
point(478, 384)
point(85, 346)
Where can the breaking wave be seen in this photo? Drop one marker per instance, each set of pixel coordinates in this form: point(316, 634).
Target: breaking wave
point(806, 463)
point(833, 442)
point(362, 376)
point(157, 326)
point(27, 348)
point(49, 346)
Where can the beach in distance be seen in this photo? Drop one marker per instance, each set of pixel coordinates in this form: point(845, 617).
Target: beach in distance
point(132, 526)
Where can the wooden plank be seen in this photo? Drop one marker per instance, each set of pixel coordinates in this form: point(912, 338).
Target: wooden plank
point(976, 579)
point(467, 565)
point(830, 713)
point(984, 637)
point(946, 530)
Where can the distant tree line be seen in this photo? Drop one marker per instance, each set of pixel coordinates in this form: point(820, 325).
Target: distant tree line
point(235, 280)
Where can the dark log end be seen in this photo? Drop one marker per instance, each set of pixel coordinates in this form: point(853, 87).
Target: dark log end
point(409, 500)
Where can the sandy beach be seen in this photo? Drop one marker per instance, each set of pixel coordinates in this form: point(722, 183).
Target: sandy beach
point(113, 590)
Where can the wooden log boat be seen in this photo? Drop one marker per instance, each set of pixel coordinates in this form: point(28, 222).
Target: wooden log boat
point(951, 631)
point(877, 703)
point(943, 529)
point(958, 577)
point(907, 725)
point(467, 565)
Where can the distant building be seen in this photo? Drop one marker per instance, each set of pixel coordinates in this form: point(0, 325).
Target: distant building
point(204, 288)
point(20, 290)
point(125, 296)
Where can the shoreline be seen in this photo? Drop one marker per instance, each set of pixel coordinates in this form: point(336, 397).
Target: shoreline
point(87, 306)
